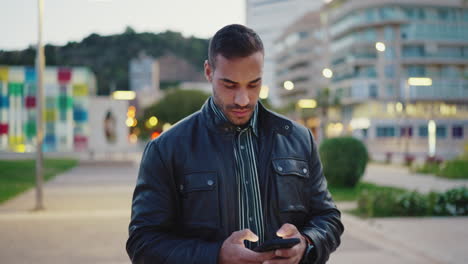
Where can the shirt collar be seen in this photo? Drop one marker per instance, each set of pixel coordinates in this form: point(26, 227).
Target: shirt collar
point(221, 118)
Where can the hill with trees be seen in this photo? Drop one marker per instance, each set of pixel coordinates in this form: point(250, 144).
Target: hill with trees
point(108, 56)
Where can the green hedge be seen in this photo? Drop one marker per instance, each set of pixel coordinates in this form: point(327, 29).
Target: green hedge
point(452, 169)
point(453, 202)
point(344, 160)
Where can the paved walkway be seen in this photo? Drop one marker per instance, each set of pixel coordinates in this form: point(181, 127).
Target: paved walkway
point(88, 210)
point(398, 176)
point(85, 221)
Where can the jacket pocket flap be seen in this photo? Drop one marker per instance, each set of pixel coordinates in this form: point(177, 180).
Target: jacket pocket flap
point(289, 166)
point(199, 181)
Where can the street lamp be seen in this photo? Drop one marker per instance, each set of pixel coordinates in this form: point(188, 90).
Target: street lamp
point(380, 46)
point(327, 73)
point(288, 85)
point(264, 90)
point(40, 64)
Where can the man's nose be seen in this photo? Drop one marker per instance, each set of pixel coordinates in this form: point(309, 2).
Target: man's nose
point(241, 98)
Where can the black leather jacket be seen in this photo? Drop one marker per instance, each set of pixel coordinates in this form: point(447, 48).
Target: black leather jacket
point(185, 200)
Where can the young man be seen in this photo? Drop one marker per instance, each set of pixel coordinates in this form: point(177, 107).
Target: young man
point(233, 175)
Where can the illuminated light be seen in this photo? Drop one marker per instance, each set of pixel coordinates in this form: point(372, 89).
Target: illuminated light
point(411, 109)
point(307, 103)
point(153, 121)
point(129, 121)
point(327, 1)
point(360, 123)
point(131, 111)
point(288, 85)
point(166, 127)
point(399, 107)
point(339, 127)
point(380, 46)
point(413, 81)
point(390, 108)
point(264, 90)
point(155, 135)
point(123, 95)
point(453, 110)
point(133, 138)
point(327, 73)
point(135, 122)
point(431, 131)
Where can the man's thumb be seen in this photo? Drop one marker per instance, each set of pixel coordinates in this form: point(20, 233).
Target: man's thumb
point(246, 234)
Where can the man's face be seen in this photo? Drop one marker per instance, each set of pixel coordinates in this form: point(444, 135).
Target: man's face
point(236, 85)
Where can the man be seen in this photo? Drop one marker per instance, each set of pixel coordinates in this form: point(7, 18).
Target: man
point(233, 175)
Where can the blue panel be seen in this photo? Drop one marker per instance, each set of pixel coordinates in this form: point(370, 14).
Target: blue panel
point(4, 102)
point(80, 115)
point(30, 74)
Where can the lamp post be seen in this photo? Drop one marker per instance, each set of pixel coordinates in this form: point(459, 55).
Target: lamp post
point(40, 64)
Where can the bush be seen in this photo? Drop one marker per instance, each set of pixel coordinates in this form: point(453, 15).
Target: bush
point(344, 160)
point(404, 203)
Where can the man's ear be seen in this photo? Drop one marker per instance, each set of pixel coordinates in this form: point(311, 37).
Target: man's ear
point(208, 71)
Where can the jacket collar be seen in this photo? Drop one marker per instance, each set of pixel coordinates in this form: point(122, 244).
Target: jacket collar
point(266, 120)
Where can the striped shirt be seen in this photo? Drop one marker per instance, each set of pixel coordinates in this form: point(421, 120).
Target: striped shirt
point(248, 187)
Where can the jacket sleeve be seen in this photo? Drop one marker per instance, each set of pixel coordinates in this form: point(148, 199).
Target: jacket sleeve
point(324, 227)
point(153, 234)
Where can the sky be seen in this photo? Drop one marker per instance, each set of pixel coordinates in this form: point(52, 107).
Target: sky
point(72, 20)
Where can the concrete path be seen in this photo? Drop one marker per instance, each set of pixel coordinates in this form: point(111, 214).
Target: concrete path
point(88, 211)
point(85, 221)
point(398, 176)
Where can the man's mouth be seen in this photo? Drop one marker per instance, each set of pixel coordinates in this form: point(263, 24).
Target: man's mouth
point(240, 113)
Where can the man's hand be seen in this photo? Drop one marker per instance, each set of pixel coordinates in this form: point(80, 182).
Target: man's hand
point(233, 249)
point(291, 255)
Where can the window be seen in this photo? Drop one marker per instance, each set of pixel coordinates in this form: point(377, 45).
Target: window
point(406, 131)
point(457, 131)
point(373, 92)
point(413, 51)
point(389, 71)
point(441, 132)
point(416, 71)
point(385, 131)
point(389, 33)
point(422, 131)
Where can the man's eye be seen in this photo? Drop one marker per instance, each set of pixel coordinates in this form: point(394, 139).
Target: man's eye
point(253, 86)
point(230, 86)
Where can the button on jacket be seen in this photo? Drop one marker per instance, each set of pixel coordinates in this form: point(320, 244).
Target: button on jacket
point(185, 202)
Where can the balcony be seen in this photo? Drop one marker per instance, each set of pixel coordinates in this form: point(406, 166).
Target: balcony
point(447, 90)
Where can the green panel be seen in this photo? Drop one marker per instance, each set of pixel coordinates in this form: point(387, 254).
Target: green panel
point(15, 89)
point(30, 129)
point(65, 102)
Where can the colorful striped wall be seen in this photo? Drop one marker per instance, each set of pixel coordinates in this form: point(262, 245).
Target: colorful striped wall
point(66, 103)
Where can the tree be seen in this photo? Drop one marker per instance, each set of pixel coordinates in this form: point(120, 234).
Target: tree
point(173, 107)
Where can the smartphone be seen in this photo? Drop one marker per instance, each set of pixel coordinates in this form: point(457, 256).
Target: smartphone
point(279, 243)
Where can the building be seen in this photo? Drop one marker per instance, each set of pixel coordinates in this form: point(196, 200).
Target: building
point(299, 59)
point(269, 18)
point(376, 46)
point(144, 79)
point(66, 102)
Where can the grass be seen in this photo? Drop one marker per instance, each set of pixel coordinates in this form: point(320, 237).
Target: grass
point(341, 194)
point(452, 169)
point(17, 176)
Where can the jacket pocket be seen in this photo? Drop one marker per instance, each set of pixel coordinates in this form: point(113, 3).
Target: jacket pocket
point(200, 200)
point(291, 177)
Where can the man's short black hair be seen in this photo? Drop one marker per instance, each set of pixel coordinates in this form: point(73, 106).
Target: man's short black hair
point(234, 41)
